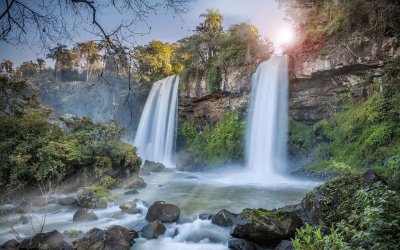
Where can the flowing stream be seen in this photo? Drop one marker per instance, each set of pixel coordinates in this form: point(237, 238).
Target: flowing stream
point(155, 136)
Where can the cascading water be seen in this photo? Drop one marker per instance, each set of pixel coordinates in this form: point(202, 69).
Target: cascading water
point(155, 136)
point(268, 123)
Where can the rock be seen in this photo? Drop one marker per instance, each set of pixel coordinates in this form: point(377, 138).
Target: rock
point(151, 166)
point(162, 211)
point(6, 209)
point(118, 215)
point(285, 245)
point(10, 244)
point(94, 197)
point(42, 201)
point(24, 219)
point(265, 227)
point(131, 192)
point(224, 218)
point(84, 214)
point(51, 240)
point(137, 201)
point(206, 216)
point(129, 207)
point(153, 230)
point(115, 237)
point(136, 182)
point(23, 208)
point(241, 244)
point(66, 201)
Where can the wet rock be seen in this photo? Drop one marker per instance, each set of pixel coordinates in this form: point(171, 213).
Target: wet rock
point(206, 216)
point(153, 230)
point(10, 244)
point(84, 214)
point(285, 245)
point(6, 209)
point(94, 197)
point(151, 166)
point(115, 237)
point(224, 218)
point(118, 215)
point(241, 244)
point(51, 240)
point(42, 201)
point(24, 219)
point(137, 201)
point(162, 211)
point(136, 182)
point(192, 178)
point(23, 208)
point(265, 227)
point(129, 207)
point(131, 192)
point(67, 201)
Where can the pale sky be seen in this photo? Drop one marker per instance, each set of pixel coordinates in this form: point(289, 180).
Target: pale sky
point(265, 14)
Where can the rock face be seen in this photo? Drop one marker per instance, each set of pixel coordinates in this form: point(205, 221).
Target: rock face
point(84, 214)
point(153, 230)
point(163, 212)
point(151, 166)
point(52, 240)
point(129, 207)
point(115, 237)
point(265, 227)
point(224, 218)
point(241, 244)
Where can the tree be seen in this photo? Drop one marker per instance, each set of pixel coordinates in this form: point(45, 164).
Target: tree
point(41, 63)
point(90, 53)
point(7, 66)
point(65, 59)
point(212, 21)
point(27, 69)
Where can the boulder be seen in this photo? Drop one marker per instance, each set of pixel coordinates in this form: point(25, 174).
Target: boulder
point(162, 211)
point(42, 201)
point(131, 192)
point(241, 244)
point(118, 215)
point(224, 218)
point(66, 201)
point(94, 197)
point(136, 182)
point(84, 214)
point(153, 230)
point(115, 237)
point(23, 208)
point(265, 227)
point(206, 216)
point(129, 207)
point(10, 244)
point(151, 166)
point(24, 219)
point(285, 245)
point(51, 240)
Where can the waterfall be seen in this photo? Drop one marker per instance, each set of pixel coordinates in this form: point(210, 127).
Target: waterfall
point(267, 128)
point(155, 136)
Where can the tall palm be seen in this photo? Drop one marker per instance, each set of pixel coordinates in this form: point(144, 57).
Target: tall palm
point(212, 20)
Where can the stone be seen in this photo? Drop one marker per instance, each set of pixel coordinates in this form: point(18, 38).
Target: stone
point(241, 244)
point(10, 244)
point(84, 214)
point(131, 192)
point(118, 215)
point(66, 201)
point(205, 216)
point(136, 182)
point(94, 197)
point(163, 212)
point(53, 240)
point(42, 201)
point(153, 230)
point(24, 219)
point(115, 237)
point(224, 218)
point(151, 167)
point(23, 208)
point(285, 245)
point(265, 227)
point(129, 207)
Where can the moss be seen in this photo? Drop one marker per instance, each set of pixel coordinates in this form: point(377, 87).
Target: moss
point(262, 214)
point(94, 196)
point(300, 138)
point(73, 233)
point(108, 182)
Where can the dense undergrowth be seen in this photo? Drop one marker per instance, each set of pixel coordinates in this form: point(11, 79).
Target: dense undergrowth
point(35, 148)
point(219, 143)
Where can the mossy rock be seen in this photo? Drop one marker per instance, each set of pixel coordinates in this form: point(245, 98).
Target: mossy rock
point(94, 197)
point(265, 227)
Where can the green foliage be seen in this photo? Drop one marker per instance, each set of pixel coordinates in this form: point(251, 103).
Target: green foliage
point(312, 238)
point(391, 171)
point(107, 181)
point(219, 143)
point(213, 78)
point(300, 138)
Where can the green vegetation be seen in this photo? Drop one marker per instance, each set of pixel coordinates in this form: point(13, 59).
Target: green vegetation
point(300, 138)
point(218, 143)
point(94, 196)
point(34, 148)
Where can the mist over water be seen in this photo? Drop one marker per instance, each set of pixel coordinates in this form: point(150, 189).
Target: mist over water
point(155, 136)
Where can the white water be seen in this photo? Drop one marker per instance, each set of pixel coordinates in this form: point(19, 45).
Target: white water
point(155, 136)
point(268, 123)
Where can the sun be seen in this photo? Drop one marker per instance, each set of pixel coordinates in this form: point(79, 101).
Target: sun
point(286, 35)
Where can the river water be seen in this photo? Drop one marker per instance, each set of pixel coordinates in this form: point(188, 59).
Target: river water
point(194, 193)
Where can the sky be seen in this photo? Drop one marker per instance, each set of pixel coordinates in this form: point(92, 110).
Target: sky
point(264, 14)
